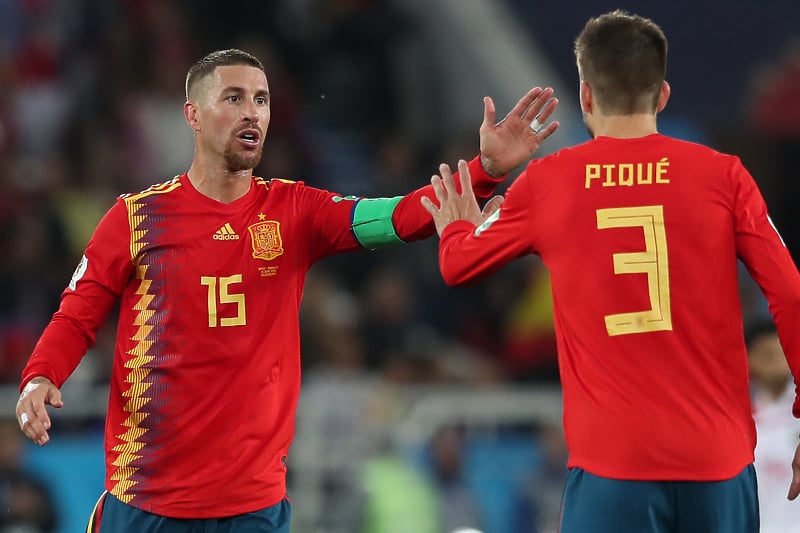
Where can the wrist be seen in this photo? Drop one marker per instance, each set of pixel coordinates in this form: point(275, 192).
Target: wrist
point(36, 380)
point(490, 168)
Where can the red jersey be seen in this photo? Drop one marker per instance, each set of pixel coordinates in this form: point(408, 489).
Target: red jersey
point(641, 238)
point(206, 371)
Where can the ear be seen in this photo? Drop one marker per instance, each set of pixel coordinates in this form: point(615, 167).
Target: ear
point(190, 113)
point(587, 104)
point(663, 97)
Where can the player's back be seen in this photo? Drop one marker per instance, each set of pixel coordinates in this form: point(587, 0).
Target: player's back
point(640, 239)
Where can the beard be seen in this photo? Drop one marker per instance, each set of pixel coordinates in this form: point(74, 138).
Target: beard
point(238, 161)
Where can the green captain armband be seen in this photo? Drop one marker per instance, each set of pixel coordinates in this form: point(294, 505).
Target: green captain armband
point(372, 222)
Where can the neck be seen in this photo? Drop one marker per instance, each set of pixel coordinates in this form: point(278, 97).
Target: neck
point(219, 183)
point(624, 126)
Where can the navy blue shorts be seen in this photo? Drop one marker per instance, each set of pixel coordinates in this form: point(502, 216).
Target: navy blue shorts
point(602, 505)
point(112, 516)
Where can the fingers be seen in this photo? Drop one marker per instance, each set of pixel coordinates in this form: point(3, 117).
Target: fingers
point(538, 103)
point(33, 421)
point(465, 179)
point(31, 409)
point(444, 186)
point(548, 131)
point(492, 205)
point(489, 112)
point(429, 206)
point(521, 109)
point(447, 180)
point(549, 105)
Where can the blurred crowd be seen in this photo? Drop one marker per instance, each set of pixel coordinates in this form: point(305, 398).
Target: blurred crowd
point(91, 97)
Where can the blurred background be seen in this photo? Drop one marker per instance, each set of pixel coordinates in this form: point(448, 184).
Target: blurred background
point(440, 406)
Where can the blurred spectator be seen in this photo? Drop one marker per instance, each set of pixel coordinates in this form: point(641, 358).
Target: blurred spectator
point(155, 121)
point(775, 112)
point(32, 276)
point(352, 43)
point(777, 430)
point(530, 352)
point(398, 498)
point(774, 123)
point(459, 506)
point(26, 505)
point(537, 508)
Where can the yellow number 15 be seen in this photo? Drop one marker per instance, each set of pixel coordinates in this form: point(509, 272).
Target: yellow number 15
point(219, 289)
point(651, 261)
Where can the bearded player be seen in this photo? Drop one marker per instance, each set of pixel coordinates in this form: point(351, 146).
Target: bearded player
point(208, 271)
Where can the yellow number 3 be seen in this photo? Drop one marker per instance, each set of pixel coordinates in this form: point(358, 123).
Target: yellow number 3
point(651, 261)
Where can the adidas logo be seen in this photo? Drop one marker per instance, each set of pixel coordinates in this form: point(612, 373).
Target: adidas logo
point(225, 233)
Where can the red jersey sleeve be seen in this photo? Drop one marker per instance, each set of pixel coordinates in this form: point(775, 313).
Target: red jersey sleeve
point(95, 286)
point(412, 222)
point(468, 253)
point(770, 264)
point(332, 216)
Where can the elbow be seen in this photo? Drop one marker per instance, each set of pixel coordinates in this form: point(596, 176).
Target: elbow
point(452, 281)
point(456, 278)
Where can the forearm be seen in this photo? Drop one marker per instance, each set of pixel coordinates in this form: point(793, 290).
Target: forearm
point(58, 352)
point(68, 336)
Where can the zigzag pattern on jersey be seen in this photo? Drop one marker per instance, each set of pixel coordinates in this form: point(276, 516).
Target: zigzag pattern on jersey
point(137, 377)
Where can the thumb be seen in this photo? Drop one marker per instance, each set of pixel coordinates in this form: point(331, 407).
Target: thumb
point(488, 112)
point(54, 397)
point(492, 205)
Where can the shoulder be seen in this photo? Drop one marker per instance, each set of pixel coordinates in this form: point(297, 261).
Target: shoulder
point(702, 153)
point(270, 183)
point(559, 159)
point(156, 189)
point(283, 187)
point(280, 186)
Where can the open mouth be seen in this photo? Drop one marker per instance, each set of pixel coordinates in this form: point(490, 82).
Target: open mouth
point(250, 137)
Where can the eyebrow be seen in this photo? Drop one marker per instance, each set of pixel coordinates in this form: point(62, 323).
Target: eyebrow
point(236, 89)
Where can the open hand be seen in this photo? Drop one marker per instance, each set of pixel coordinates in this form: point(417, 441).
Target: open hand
point(454, 205)
point(509, 143)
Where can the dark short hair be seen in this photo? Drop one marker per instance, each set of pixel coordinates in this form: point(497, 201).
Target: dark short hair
point(623, 58)
point(219, 58)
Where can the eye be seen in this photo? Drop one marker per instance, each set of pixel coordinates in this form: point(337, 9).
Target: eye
point(233, 98)
point(261, 100)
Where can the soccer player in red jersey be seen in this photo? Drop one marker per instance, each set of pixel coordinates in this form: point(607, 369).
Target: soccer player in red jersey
point(208, 270)
point(641, 234)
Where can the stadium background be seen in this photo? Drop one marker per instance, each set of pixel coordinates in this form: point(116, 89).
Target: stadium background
point(413, 393)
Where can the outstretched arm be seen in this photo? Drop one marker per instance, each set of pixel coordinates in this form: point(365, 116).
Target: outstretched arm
point(475, 243)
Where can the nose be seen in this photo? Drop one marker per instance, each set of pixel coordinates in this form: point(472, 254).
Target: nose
point(249, 112)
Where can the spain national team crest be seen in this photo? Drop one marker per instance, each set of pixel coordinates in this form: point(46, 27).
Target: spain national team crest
point(266, 239)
